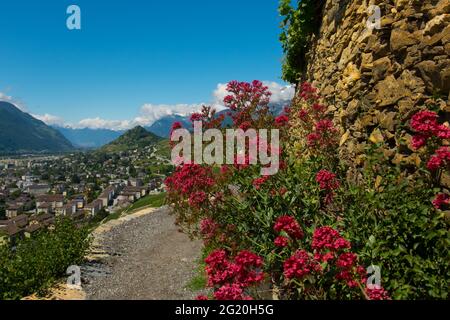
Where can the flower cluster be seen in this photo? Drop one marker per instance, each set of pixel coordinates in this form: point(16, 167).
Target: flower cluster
point(231, 292)
point(281, 241)
point(175, 126)
point(191, 181)
point(245, 100)
point(197, 198)
point(323, 135)
point(308, 92)
point(209, 118)
point(320, 132)
point(328, 238)
point(425, 123)
point(377, 293)
point(440, 159)
point(327, 180)
point(190, 177)
point(300, 265)
point(219, 269)
point(208, 228)
point(281, 121)
point(290, 226)
point(258, 182)
point(441, 200)
point(348, 270)
point(231, 277)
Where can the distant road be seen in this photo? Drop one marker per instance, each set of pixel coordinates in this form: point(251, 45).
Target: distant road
point(147, 258)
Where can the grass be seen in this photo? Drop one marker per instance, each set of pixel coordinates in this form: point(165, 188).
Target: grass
point(199, 280)
point(152, 200)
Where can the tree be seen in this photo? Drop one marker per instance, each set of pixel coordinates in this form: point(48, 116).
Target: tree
point(75, 179)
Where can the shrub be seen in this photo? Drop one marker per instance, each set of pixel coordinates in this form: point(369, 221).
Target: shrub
point(37, 262)
point(308, 229)
point(298, 24)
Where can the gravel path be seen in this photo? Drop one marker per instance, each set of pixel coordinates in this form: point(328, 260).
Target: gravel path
point(147, 258)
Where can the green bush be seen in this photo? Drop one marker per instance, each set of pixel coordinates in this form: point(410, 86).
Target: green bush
point(37, 262)
point(298, 24)
point(375, 214)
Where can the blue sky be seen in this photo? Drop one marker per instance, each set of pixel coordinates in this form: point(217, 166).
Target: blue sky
point(133, 53)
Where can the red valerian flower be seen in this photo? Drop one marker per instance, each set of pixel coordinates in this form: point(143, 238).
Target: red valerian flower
point(289, 225)
point(219, 269)
point(324, 257)
point(324, 126)
point(377, 293)
point(197, 198)
point(281, 121)
point(327, 180)
point(244, 271)
point(300, 265)
point(313, 139)
point(441, 200)
point(196, 117)
point(245, 125)
point(303, 114)
point(245, 99)
point(425, 122)
point(419, 141)
point(175, 126)
point(231, 292)
point(208, 228)
point(202, 298)
point(443, 132)
point(440, 159)
point(328, 238)
point(281, 242)
point(319, 108)
point(346, 260)
point(190, 177)
point(228, 99)
point(257, 183)
point(307, 91)
point(246, 258)
point(283, 191)
point(248, 265)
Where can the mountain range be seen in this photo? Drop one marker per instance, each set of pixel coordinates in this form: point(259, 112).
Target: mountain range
point(87, 138)
point(21, 133)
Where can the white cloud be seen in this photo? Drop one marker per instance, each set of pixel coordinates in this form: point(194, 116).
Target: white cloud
point(280, 93)
point(149, 113)
point(50, 119)
point(98, 123)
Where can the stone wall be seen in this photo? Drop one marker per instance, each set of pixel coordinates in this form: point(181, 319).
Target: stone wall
point(374, 80)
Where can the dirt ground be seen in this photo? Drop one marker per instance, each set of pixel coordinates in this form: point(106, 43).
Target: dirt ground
point(144, 257)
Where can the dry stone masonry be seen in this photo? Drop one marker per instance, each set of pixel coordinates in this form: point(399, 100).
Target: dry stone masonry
point(374, 80)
